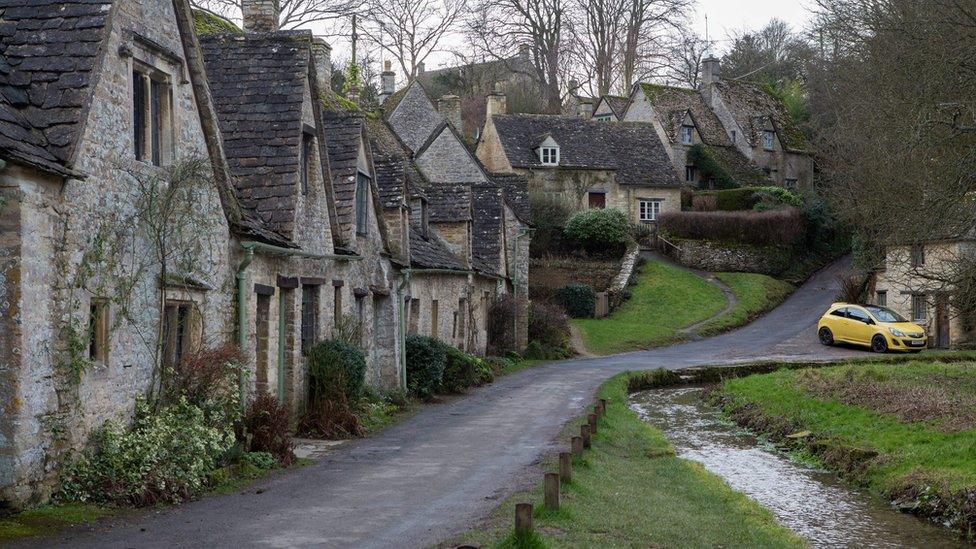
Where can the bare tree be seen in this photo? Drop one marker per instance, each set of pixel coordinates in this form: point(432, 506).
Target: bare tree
point(293, 13)
point(648, 29)
point(410, 30)
point(684, 60)
point(774, 53)
point(501, 29)
point(596, 29)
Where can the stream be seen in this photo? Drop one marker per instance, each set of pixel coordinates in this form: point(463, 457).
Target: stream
point(815, 504)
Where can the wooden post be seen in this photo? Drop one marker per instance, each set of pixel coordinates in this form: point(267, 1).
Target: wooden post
point(577, 446)
point(603, 406)
point(591, 419)
point(523, 518)
point(552, 491)
point(566, 466)
point(585, 435)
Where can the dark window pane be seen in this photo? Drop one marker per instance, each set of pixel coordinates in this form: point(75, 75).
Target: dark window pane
point(307, 143)
point(361, 194)
point(156, 90)
point(139, 114)
point(310, 317)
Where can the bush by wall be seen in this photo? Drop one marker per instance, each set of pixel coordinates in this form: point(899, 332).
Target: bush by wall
point(208, 379)
point(502, 314)
point(780, 228)
point(745, 198)
point(599, 230)
point(463, 370)
point(426, 359)
point(548, 332)
point(578, 300)
point(333, 363)
point(268, 426)
point(549, 216)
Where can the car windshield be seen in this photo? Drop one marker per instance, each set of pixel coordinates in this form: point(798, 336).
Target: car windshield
point(882, 314)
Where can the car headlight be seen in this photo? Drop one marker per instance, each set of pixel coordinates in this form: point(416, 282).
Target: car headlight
point(896, 332)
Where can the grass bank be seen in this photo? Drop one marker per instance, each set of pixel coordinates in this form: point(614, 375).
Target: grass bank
point(906, 431)
point(755, 294)
point(664, 300)
point(631, 491)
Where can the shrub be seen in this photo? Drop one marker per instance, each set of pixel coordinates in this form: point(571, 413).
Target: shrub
point(208, 379)
point(333, 363)
point(330, 414)
point(166, 456)
point(268, 426)
point(549, 216)
point(578, 300)
point(463, 370)
point(425, 365)
point(260, 460)
point(852, 286)
point(348, 329)
point(599, 230)
point(745, 198)
point(769, 198)
point(781, 228)
point(502, 314)
point(549, 327)
point(704, 202)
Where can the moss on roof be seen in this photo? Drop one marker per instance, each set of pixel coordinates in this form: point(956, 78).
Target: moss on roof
point(205, 22)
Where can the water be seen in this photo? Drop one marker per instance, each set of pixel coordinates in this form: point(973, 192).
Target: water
point(811, 502)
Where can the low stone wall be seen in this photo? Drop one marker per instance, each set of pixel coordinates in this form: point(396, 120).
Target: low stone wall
point(548, 275)
point(712, 256)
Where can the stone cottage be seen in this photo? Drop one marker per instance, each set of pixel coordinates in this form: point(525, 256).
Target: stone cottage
point(748, 117)
point(591, 164)
point(610, 108)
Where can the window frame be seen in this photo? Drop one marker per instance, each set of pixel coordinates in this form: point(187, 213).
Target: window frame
point(310, 317)
point(362, 203)
point(691, 173)
point(917, 257)
point(919, 305)
point(305, 161)
point(99, 341)
point(768, 140)
point(654, 204)
point(687, 134)
point(881, 298)
point(153, 120)
point(553, 156)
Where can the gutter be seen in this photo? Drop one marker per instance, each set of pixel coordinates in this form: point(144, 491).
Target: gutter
point(250, 247)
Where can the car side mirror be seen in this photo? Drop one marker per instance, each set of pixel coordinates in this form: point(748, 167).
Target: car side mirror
point(869, 322)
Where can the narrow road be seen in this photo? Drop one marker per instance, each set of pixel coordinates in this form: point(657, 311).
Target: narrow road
point(436, 473)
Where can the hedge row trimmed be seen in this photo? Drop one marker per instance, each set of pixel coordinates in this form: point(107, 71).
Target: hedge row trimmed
point(780, 228)
point(748, 198)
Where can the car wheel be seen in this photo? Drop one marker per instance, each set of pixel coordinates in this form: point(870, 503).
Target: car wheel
point(826, 336)
point(879, 344)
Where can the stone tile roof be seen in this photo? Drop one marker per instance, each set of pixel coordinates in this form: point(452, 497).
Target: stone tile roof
point(516, 189)
point(258, 83)
point(617, 104)
point(343, 131)
point(48, 56)
point(631, 149)
point(391, 154)
point(448, 202)
point(390, 180)
point(431, 253)
point(755, 109)
point(486, 228)
point(671, 104)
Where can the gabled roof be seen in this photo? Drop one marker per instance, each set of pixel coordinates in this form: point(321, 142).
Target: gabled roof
point(631, 149)
point(671, 104)
point(516, 189)
point(617, 104)
point(391, 151)
point(258, 84)
point(754, 108)
point(431, 253)
point(49, 54)
point(449, 202)
point(486, 228)
point(413, 115)
point(343, 130)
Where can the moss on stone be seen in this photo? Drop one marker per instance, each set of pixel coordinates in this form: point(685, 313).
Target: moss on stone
point(205, 22)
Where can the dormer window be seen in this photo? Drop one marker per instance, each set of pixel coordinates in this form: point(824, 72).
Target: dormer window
point(768, 138)
point(549, 155)
point(686, 134)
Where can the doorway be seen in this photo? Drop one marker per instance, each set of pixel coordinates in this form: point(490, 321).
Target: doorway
point(597, 200)
point(941, 321)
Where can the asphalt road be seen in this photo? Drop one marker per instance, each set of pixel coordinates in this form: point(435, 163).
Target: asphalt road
point(438, 472)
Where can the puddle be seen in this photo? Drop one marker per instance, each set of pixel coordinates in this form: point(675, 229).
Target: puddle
point(813, 503)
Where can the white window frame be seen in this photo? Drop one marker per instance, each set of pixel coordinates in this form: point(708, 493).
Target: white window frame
point(919, 308)
point(648, 209)
point(549, 156)
point(687, 134)
point(768, 140)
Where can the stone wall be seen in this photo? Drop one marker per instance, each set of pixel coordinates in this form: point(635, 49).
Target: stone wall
point(447, 159)
point(721, 257)
point(548, 275)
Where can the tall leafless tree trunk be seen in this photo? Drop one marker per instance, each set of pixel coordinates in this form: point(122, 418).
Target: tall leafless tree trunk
point(294, 13)
point(410, 30)
point(648, 27)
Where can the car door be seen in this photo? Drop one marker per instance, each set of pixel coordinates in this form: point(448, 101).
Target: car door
point(861, 325)
point(839, 324)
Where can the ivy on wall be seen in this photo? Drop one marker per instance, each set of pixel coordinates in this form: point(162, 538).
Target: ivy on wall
point(703, 159)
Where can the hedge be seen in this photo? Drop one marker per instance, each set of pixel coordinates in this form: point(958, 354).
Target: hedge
point(579, 300)
point(334, 364)
point(748, 198)
point(781, 228)
point(426, 359)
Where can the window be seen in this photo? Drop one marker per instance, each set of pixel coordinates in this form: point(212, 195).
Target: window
point(414, 316)
point(262, 321)
point(768, 138)
point(182, 329)
point(918, 255)
point(734, 135)
point(686, 134)
point(918, 308)
point(336, 300)
point(151, 116)
point(549, 155)
point(842, 312)
point(461, 324)
point(648, 209)
point(881, 298)
point(789, 183)
point(596, 200)
point(98, 331)
point(602, 118)
point(434, 332)
point(858, 315)
point(308, 141)
point(310, 317)
point(362, 192)
point(690, 173)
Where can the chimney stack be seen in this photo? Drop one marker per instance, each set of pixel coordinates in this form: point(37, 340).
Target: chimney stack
point(322, 59)
point(584, 110)
point(711, 74)
point(260, 15)
point(495, 103)
point(450, 108)
point(387, 81)
point(420, 68)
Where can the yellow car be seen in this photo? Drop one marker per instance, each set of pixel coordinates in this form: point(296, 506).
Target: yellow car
point(876, 327)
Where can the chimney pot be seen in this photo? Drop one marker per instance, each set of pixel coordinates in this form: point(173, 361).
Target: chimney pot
point(495, 103)
point(420, 68)
point(387, 82)
point(260, 15)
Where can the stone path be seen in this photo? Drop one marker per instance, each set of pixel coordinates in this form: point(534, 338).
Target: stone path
point(441, 470)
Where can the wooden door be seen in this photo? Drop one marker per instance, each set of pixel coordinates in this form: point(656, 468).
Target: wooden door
point(598, 200)
point(941, 321)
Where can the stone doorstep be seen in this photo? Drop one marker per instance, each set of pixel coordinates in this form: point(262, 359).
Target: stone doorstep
point(315, 449)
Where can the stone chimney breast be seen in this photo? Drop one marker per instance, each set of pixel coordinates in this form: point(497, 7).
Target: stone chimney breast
point(711, 74)
point(450, 108)
point(387, 81)
point(322, 58)
point(260, 15)
point(495, 103)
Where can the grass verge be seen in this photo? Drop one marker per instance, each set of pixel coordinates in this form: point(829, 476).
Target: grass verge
point(906, 431)
point(665, 299)
point(755, 294)
point(631, 491)
point(48, 519)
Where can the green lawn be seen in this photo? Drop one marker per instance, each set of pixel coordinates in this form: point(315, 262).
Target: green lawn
point(631, 491)
point(755, 294)
point(904, 430)
point(665, 299)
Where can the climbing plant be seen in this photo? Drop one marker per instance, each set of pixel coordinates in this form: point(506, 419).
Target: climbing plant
point(702, 158)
